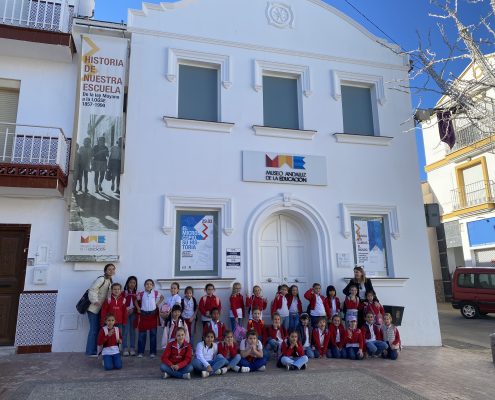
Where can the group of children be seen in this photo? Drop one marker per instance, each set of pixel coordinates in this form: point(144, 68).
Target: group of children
point(359, 329)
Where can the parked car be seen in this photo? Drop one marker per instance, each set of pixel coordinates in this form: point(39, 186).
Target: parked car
point(473, 291)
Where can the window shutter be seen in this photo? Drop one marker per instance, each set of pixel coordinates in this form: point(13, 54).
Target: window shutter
point(9, 99)
point(357, 110)
point(280, 102)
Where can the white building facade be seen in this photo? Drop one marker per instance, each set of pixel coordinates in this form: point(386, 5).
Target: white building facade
point(262, 145)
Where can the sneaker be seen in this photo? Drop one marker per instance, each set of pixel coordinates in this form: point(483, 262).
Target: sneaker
point(140, 356)
point(152, 355)
point(303, 367)
point(186, 376)
point(218, 371)
point(132, 353)
point(165, 375)
point(287, 367)
point(93, 355)
point(245, 369)
point(126, 354)
point(262, 368)
point(205, 374)
point(236, 368)
point(224, 370)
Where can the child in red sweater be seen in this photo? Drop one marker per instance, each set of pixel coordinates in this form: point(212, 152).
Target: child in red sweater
point(333, 301)
point(108, 341)
point(352, 305)
point(281, 307)
point(257, 324)
point(177, 357)
point(215, 325)
point(256, 301)
point(372, 305)
point(337, 338)
point(292, 353)
point(207, 303)
point(115, 305)
point(317, 304)
point(354, 341)
point(236, 312)
point(274, 335)
point(229, 350)
point(372, 336)
point(321, 337)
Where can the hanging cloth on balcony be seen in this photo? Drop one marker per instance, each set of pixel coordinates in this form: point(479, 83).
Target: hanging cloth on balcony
point(446, 128)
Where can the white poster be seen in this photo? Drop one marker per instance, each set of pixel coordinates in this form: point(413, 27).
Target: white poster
point(196, 242)
point(95, 197)
point(369, 246)
point(258, 166)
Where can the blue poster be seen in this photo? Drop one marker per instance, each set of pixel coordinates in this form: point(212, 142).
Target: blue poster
point(196, 242)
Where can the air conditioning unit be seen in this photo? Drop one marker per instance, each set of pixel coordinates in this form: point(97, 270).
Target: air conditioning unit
point(86, 8)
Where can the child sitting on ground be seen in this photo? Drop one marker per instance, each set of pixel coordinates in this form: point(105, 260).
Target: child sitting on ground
point(391, 337)
point(207, 360)
point(292, 353)
point(321, 337)
point(177, 357)
point(354, 341)
point(372, 336)
point(274, 335)
point(108, 344)
point(252, 353)
point(305, 332)
point(337, 338)
point(228, 349)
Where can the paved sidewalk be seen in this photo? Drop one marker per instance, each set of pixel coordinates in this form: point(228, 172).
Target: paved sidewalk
point(420, 373)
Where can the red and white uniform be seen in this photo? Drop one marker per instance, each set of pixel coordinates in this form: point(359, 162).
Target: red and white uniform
point(130, 300)
point(317, 305)
point(258, 326)
point(256, 302)
point(236, 306)
point(148, 318)
point(337, 336)
point(227, 351)
point(175, 354)
point(321, 340)
point(354, 338)
point(117, 307)
point(297, 304)
point(351, 307)
point(371, 332)
point(280, 305)
point(391, 335)
point(108, 344)
point(288, 351)
point(170, 330)
point(376, 308)
point(208, 303)
point(333, 305)
point(217, 327)
point(279, 334)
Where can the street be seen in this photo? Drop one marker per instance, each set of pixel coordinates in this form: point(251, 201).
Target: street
point(459, 332)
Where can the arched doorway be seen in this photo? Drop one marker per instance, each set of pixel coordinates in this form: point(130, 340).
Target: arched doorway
point(287, 242)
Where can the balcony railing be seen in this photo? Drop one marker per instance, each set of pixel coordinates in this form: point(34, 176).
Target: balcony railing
point(33, 146)
point(473, 194)
point(50, 15)
point(471, 134)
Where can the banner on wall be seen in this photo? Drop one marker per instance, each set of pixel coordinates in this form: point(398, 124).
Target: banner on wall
point(95, 196)
point(369, 245)
point(197, 242)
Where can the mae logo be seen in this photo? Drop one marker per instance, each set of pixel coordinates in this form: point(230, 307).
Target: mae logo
point(93, 239)
point(293, 162)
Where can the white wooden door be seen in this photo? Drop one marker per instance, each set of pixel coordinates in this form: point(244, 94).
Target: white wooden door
point(283, 253)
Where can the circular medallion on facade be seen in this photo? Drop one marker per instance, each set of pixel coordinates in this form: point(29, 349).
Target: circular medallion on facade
point(280, 15)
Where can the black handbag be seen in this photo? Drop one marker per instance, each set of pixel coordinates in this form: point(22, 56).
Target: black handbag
point(109, 175)
point(84, 303)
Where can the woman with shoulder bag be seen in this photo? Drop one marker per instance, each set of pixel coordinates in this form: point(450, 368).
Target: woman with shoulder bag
point(97, 294)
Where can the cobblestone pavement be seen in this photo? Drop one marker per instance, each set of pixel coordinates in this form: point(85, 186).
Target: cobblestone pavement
point(420, 373)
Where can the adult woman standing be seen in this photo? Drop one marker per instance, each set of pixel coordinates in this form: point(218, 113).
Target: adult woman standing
point(97, 294)
point(363, 284)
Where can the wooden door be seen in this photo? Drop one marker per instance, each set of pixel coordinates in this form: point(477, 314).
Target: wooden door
point(14, 240)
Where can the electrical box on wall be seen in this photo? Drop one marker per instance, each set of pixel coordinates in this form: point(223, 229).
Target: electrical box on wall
point(40, 275)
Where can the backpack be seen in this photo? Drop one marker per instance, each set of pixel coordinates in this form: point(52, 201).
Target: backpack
point(239, 333)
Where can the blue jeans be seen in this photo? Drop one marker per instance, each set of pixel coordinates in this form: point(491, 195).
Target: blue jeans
point(129, 333)
point(218, 362)
point(232, 362)
point(176, 374)
point(309, 352)
point(297, 362)
point(328, 353)
point(285, 322)
point(272, 345)
point(338, 353)
point(94, 328)
point(142, 341)
point(234, 322)
point(293, 321)
point(112, 362)
point(352, 353)
point(254, 365)
point(376, 347)
point(391, 354)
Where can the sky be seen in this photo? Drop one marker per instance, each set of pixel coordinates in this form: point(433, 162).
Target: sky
point(401, 20)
